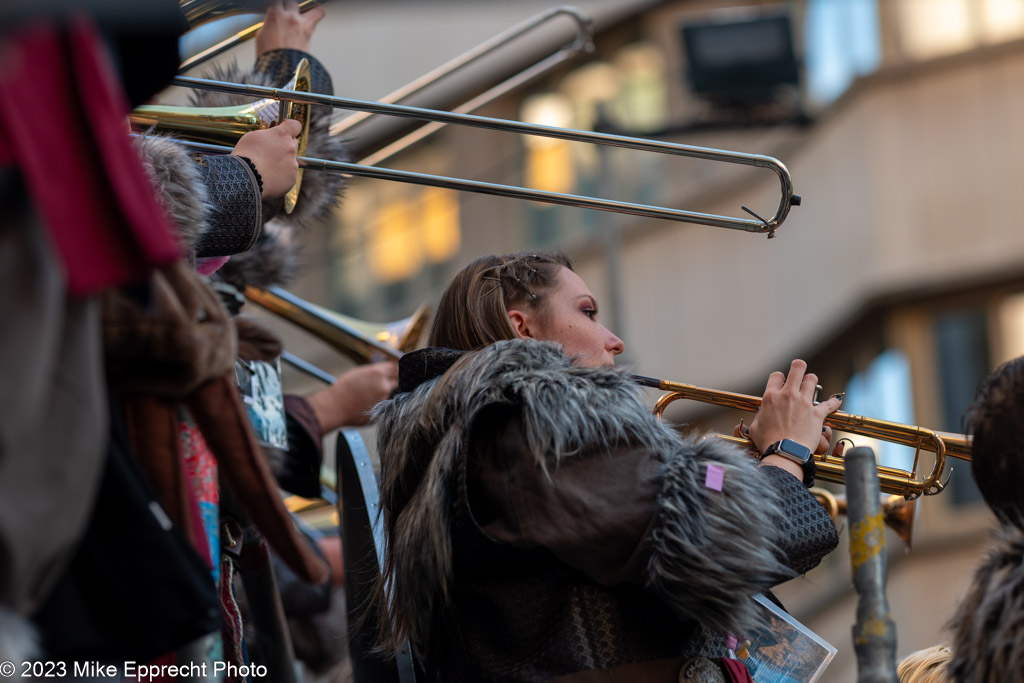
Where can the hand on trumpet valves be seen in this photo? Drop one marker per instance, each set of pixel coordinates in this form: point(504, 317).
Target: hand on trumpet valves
point(285, 27)
point(788, 411)
point(273, 151)
point(347, 402)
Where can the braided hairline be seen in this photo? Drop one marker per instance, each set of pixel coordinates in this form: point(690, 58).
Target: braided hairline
point(516, 275)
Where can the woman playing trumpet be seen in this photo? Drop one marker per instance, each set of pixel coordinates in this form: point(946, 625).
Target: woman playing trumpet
point(542, 524)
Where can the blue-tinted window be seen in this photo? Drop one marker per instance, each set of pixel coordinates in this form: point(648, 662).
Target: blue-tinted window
point(842, 42)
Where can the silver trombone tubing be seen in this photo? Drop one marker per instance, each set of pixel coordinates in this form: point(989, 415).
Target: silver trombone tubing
point(769, 225)
point(583, 42)
point(307, 367)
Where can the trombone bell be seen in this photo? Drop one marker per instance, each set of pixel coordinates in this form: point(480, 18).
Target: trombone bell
point(361, 341)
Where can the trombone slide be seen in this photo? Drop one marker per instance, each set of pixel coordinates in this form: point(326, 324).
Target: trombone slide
point(759, 225)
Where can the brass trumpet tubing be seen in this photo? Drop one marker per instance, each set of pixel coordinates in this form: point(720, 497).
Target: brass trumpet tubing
point(768, 225)
point(832, 468)
point(583, 42)
point(892, 480)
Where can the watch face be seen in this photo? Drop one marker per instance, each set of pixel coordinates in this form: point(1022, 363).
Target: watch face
point(794, 450)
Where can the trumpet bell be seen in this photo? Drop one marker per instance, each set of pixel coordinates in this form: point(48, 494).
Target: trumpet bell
point(897, 512)
point(899, 516)
point(225, 125)
point(361, 341)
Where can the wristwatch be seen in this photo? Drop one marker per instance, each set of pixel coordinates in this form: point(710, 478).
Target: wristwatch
point(798, 453)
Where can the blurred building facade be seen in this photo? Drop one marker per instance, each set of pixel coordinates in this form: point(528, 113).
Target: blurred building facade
point(900, 278)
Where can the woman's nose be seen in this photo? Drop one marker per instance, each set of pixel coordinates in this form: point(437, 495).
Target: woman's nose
point(614, 345)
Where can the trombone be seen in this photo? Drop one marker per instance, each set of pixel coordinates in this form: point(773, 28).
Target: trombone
point(198, 12)
point(228, 124)
point(832, 467)
point(583, 42)
point(756, 225)
point(362, 342)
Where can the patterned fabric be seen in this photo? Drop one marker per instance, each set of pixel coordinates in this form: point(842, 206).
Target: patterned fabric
point(238, 214)
point(810, 534)
point(279, 67)
point(575, 624)
point(201, 474)
point(232, 630)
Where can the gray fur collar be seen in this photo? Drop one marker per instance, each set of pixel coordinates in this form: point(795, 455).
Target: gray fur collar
point(710, 549)
point(988, 641)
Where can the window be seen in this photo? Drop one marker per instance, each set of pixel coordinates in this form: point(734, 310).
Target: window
point(842, 42)
point(961, 339)
point(883, 391)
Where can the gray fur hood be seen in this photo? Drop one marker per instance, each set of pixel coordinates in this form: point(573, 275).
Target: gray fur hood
point(988, 630)
point(710, 550)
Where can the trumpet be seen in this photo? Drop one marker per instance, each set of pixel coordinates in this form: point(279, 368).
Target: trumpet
point(832, 467)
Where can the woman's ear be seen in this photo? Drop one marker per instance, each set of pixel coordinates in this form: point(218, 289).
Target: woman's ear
point(520, 324)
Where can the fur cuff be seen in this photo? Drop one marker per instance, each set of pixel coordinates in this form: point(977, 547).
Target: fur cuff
point(712, 549)
point(179, 185)
point(272, 262)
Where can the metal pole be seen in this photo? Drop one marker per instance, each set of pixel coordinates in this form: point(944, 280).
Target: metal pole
point(874, 633)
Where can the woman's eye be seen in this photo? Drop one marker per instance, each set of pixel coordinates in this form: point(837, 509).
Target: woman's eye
point(590, 313)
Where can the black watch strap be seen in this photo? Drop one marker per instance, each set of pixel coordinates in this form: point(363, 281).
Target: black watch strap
point(798, 453)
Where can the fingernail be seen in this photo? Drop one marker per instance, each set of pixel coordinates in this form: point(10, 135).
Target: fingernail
point(823, 429)
point(746, 430)
point(840, 395)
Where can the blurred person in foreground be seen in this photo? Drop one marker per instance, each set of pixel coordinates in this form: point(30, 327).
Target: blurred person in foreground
point(78, 219)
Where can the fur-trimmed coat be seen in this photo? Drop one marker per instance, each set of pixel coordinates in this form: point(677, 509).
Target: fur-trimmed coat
point(988, 638)
point(542, 522)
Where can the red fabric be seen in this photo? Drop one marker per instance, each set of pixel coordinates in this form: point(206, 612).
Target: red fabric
point(62, 125)
point(736, 670)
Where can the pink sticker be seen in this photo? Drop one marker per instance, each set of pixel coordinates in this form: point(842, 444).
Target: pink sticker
point(714, 477)
point(730, 641)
